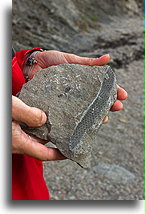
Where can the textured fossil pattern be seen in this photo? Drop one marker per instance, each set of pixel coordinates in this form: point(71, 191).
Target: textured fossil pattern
point(76, 98)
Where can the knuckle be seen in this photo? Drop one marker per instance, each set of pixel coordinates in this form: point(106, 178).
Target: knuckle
point(38, 116)
point(17, 138)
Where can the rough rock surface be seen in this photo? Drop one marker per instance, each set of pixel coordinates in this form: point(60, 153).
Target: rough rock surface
point(76, 99)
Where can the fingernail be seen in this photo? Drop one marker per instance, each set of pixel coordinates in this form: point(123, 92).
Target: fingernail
point(106, 55)
point(44, 118)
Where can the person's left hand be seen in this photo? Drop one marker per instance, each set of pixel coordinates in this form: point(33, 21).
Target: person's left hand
point(52, 57)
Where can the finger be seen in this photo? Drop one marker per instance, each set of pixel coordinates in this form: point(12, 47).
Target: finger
point(121, 93)
point(71, 58)
point(105, 120)
point(39, 140)
point(24, 113)
point(117, 106)
point(41, 152)
point(24, 144)
point(54, 154)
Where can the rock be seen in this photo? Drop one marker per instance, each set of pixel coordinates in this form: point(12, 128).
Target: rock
point(116, 173)
point(56, 24)
point(76, 98)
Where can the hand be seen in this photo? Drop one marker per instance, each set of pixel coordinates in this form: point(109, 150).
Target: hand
point(117, 106)
point(23, 143)
point(52, 57)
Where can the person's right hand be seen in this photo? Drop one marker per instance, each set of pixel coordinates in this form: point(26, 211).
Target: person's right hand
point(23, 143)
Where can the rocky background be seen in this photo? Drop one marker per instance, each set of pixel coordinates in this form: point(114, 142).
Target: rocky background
point(92, 28)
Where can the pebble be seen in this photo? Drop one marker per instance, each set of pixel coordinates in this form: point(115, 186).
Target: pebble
point(114, 172)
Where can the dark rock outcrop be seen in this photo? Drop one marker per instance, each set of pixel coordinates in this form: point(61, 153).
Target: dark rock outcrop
point(87, 28)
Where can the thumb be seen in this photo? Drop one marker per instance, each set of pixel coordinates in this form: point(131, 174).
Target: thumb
point(30, 115)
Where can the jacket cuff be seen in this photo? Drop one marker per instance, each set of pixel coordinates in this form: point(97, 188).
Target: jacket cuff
point(22, 55)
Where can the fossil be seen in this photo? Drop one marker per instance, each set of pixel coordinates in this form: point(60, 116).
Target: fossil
point(76, 98)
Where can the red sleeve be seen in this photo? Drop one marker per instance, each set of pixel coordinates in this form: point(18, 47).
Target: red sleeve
point(27, 179)
point(27, 173)
point(21, 56)
point(17, 66)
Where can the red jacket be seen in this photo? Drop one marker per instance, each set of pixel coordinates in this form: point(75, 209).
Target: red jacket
point(27, 172)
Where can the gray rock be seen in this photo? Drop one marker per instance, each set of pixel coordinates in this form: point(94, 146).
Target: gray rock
point(76, 98)
point(116, 173)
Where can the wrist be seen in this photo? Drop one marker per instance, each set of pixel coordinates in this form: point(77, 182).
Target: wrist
point(30, 63)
